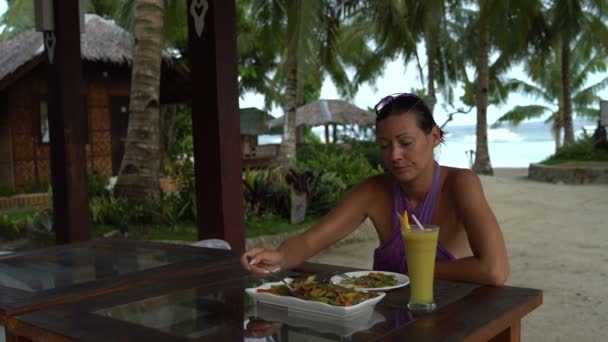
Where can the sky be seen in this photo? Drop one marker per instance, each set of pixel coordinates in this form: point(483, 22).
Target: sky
point(397, 79)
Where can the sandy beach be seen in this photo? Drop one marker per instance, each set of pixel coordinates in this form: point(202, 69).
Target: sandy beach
point(557, 240)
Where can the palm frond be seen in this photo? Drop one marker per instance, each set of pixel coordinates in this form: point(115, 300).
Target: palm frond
point(521, 113)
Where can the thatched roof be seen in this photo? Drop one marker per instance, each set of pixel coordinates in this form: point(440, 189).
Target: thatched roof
point(103, 41)
point(253, 122)
point(323, 112)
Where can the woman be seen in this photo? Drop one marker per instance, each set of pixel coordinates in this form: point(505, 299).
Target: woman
point(470, 247)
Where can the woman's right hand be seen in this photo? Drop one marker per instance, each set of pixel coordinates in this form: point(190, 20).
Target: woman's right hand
point(261, 261)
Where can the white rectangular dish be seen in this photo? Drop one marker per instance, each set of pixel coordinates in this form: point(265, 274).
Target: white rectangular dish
point(310, 305)
point(341, 326)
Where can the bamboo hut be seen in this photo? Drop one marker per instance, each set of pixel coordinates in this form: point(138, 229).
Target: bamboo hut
point(329, 112)
point(253, 124)
point(24, 132)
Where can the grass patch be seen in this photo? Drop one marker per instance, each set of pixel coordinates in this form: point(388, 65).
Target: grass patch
point(22, 213)
point(183, 232)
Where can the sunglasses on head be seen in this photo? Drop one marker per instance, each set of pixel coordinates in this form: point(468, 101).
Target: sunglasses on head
point(389, 99)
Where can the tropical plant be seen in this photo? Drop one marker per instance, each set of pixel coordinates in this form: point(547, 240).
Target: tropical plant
point(400, 26)
point(303, 181)
point(581, 150)
point(19, 15)
point(505, 29)
point(305, 41)
point(580, 26)
point(350, 166)
point(547, 86)
point(265, 193)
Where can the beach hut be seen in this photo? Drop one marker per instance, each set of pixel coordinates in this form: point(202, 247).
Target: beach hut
point(212, 68)
point(253, 124)
point(24, 130)
point(328, 112)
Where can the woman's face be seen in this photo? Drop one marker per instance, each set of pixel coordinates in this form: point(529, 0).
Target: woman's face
point(406, 149)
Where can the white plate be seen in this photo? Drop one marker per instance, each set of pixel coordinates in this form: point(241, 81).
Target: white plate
point(342, 326)
point(402, 280)
point(310, 305)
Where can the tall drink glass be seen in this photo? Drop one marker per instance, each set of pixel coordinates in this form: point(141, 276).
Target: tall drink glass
point(421, 247)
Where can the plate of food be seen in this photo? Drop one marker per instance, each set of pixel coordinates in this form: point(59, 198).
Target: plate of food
point(322, 298)
point(371, 280)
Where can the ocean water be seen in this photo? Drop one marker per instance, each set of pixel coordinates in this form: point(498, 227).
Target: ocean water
point(509, 146)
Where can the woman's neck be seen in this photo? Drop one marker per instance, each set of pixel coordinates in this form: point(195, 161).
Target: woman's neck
point(417, 189)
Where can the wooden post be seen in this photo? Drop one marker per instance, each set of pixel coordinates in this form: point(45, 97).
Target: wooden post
point(216, 121)
point(67, 126)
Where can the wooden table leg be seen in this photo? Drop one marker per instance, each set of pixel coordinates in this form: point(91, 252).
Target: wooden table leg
point(511, 334)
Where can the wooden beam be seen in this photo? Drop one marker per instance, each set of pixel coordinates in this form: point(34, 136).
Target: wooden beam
point(216, 121)
point(67, 127)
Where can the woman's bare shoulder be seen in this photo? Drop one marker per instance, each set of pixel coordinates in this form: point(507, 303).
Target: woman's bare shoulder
point(378, 183)
point(460, 180)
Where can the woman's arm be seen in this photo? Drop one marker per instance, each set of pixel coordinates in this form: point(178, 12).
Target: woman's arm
point(489, 263)
point(341, 221)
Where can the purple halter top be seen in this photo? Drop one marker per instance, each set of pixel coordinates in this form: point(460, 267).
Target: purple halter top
point(390, 255)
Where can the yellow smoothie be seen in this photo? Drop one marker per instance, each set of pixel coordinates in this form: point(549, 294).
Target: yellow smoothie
point(421, 247)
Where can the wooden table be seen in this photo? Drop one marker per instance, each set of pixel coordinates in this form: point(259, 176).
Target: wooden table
point(212, 306)
point(37, 279)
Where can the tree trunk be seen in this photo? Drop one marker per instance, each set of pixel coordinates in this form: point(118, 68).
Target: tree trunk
point(482, 156)
point(334, 133)
point(558, 124)
point(566, 93)
point(287, 150)
point(298, 206)
point(138, 176)
point(430, 61)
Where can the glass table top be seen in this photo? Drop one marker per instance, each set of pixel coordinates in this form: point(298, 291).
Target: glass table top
point(60, 268)
point(199, 312)
point(190, 313)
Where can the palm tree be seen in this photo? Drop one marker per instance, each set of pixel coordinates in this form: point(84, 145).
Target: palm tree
point(580, 23)
point(506, 29)
point(402, 25)
point(138, 177)
point(19, 15)
point(154, 23)
point(549, 89)
point(308, 40)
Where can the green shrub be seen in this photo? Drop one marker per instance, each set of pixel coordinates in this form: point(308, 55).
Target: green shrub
point(350, 165)
point(266, 193)
point(182, 173)
point(109, 210)
point(327, 193)
point(40, 226)
point(581, 150)
point(10, 228)
point(97, 185)
point(369, 149)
